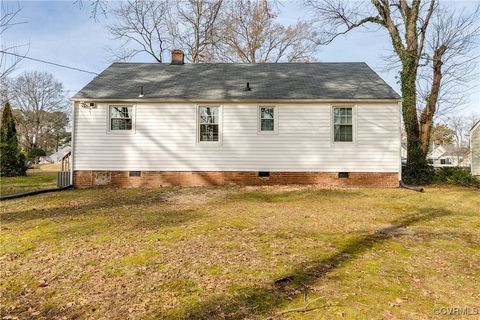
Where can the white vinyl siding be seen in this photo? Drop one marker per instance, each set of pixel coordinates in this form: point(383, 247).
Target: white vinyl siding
point(166, 139)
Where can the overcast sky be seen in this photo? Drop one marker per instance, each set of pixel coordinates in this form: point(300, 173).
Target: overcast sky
point(64, 33)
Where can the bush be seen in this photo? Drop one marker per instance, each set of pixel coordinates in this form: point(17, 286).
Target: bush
point(11, 161)
point(419, 173)
point(457, 176)
point(34, 153)
point(21, 164)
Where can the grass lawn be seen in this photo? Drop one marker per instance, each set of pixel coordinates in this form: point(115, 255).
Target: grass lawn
point(36, 179)
point(240, 253)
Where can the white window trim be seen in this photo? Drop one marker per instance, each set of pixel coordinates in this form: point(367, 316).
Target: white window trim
point(354, 125)
point(275, 119)
point(220, 124)
point(134, 119)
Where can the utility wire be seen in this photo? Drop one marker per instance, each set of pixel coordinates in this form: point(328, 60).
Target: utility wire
point(47, 62)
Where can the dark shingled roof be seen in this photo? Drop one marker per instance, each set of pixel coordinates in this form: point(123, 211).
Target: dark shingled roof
point(226, 81)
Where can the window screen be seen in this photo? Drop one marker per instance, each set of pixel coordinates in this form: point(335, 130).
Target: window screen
point(121, 117)
point(342, 124)
point(209, 120)
point(267, 119)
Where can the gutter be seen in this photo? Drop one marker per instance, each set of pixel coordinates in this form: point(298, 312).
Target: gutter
point(137, 100)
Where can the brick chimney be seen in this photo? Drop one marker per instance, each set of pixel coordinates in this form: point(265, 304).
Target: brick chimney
point(177, 57)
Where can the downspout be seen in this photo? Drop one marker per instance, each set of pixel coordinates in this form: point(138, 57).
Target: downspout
point(403, 185)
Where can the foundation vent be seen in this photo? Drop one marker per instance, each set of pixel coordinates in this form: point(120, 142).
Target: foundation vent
point(343, 175)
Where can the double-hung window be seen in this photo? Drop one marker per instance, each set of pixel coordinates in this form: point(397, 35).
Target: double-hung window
point(343, 124)
point(267, 116)
point(209, 123)
point(121, 117)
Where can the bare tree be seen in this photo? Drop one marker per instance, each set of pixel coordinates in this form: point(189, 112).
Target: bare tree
point(142, 25)
point(423, 35)
point(461, 134)
point(10, 56)
point(250, 33)
point(97, 8)
point(457, 32)
point(459, 126)
point(35, 95)
point(472, 119)
point(55, 130)
point(194, 26)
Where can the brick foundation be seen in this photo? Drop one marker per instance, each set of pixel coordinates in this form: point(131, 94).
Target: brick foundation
point(152, 179)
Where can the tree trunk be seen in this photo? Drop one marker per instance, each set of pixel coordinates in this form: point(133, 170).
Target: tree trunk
point(409, 112)
point(426, 118)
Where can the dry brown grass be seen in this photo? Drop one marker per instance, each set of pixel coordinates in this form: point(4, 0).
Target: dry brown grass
point(211, 253)
point(50, 167)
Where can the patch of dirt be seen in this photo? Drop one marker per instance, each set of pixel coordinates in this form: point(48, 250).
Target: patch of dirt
point(396, 230)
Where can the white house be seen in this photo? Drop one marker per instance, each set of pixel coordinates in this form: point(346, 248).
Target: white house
point(448, 155)
point(475, 149)
point(152, 124)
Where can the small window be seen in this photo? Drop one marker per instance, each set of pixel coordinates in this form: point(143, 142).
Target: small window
point(264, 173)
point(446, 161)
point(121, 118)
point(267, 119)
point(209, 123)
point(342, 124)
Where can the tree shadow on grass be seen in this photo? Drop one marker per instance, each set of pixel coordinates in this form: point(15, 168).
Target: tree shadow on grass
point(293, 195)
point(261, 301)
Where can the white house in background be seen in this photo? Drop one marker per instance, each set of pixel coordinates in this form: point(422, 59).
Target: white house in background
point(56, 157)
point(154, 124)
point(475, 149)
point(448, 155)
point(403, 153)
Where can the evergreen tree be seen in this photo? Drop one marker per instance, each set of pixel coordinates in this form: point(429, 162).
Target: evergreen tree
point(12, 162)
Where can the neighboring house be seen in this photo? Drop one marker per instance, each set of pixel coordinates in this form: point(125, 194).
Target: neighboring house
point(154, 124)
point(448, 155)
point(56, 157)
point(475, 149)
point(403, 154)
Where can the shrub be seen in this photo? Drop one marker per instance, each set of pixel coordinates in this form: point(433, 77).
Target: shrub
point(457, 176)
point(420, 172)
point(34, 153)
point(11, 161)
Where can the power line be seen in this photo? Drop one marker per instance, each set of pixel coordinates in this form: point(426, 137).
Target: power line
point(47, 62)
